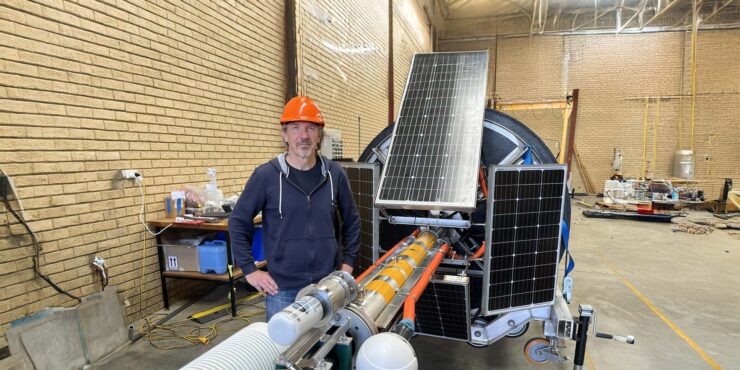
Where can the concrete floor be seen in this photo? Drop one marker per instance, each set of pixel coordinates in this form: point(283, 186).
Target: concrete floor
point(677, 293)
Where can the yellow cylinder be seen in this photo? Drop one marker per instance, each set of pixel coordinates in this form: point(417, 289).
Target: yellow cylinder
point(416, 252)
point(383, 288)
point(402, 265)
point(396, 272)
point(426, 240)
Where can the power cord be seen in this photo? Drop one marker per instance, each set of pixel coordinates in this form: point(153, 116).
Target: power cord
point(36, 247)
point(188, 333)
point(139, 179)
point(142, 215)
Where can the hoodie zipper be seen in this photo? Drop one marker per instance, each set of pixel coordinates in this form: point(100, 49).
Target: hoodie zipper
point(308, 200)
point(312, 251)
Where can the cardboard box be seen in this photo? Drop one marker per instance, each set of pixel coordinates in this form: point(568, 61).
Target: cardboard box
point(181, 254)
point(181, 258)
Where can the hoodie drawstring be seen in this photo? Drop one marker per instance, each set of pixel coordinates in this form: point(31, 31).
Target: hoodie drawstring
point(331, 183)
point(280, 197)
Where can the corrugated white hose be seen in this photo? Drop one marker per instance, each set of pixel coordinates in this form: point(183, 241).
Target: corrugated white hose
point(250, 348)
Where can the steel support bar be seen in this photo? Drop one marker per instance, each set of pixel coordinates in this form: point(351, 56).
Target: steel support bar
point(391, 84)
point(530, 105)
point(660, 13)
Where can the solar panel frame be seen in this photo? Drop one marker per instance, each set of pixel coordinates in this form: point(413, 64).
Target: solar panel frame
point(492, 211)
point(367, 253)
point(471, 132)
point(444, 316)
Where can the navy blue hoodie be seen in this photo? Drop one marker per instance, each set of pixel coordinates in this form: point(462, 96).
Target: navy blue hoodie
point(299, 238)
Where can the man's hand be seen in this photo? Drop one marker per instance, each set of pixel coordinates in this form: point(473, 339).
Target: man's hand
point(347, 268)
point(262, 281)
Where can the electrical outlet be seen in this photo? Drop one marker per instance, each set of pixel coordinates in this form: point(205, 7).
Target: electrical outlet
point(129, 174)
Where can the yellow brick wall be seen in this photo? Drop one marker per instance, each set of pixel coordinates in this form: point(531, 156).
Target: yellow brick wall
point(344, 62)
point(169, 89)
point(490, 46)
point(610, 70)
point(406, 42)
point(344, 56)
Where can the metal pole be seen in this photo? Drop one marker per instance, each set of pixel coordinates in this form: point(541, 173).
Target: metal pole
point(656, 122)
point(644, 138)
point(584, 320)
point(291, 88)
point(232, 283)
point(162, 269)
point(694, 28)
point(391, 88)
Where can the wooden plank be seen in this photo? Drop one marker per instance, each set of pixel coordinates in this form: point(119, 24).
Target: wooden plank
point(197, 275)
point(222, 225)
point(571, 130)
point(587, 181)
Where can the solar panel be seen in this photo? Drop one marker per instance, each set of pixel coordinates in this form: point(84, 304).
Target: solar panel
point(443, 310)
point(434, 155)
point(525, 207)
point(363, 180)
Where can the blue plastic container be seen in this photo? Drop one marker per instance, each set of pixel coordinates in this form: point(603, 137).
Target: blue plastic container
point(257, 251)
point(212, 257)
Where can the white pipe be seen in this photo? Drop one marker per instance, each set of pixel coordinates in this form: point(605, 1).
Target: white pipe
point(250, 348)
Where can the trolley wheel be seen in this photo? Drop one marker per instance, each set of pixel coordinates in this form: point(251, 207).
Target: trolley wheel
point(534, 351)
point(518, 331)
point(480, 322)
point(476, 345)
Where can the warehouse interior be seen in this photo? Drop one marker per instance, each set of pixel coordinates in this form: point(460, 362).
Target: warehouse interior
point(128, 130)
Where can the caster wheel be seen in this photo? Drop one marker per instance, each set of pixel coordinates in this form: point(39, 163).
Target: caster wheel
point(481, 323)
point(535, 351)
point(519, 331)
point(476, 345)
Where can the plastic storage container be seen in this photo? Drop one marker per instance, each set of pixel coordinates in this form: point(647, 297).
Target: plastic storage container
point(212, 257)
point(257, 251)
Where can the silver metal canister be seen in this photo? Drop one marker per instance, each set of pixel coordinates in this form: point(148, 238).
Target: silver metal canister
point(683, 164)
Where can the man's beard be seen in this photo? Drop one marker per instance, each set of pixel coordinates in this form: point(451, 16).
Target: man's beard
point(304, 153)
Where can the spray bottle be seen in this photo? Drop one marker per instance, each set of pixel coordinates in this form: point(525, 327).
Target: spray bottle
point(213, 195)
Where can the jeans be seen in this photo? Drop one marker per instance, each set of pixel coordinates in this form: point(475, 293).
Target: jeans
point(276, 303)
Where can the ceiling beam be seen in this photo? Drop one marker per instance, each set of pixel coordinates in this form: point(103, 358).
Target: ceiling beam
point(660, 13)
point(605, 12)
point(521, 8)
point(534, 10)
point(728, 2)
point(637, 12)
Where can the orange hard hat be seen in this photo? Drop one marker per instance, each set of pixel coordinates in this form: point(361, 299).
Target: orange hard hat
point(302, 108)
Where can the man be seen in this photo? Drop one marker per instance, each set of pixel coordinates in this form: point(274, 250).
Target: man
point(298, 193)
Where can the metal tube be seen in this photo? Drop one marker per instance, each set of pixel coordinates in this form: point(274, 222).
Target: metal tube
point(584, 318)
point(291, 52)
point(656, 122)
point(581, 338)
point(644, 138)
point(441, 222)
point(660, 13)
point(385, 285)
point(694, 29)
point(723, 26)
